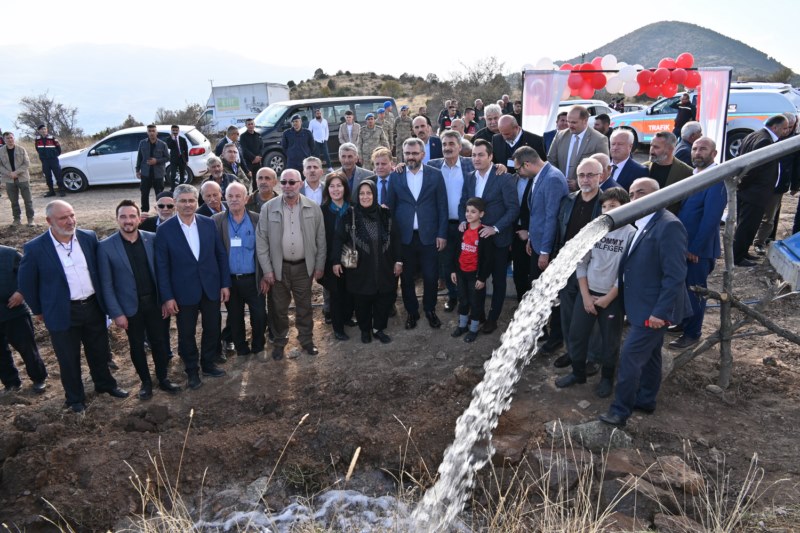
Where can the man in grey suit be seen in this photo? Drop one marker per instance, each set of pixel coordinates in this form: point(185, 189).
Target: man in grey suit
point(574, 144)
point(127, 284)
point(151, 164)
point(348, 157)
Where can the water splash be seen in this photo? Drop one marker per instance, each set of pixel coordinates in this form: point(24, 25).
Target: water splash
point(471, 449)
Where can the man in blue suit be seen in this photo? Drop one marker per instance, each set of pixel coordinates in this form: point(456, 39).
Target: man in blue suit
point(193, 277)
point(59, 280)
point(499, 192)
point(700, 215)
point(418, 202)
point(128, 286)
point(624, 170)
point(430, 143)
point(653, 284)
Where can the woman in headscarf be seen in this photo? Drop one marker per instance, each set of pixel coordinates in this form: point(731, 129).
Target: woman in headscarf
point(334, 207)
point(368, 226)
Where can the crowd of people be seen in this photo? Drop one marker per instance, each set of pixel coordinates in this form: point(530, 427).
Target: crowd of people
point(402, 206)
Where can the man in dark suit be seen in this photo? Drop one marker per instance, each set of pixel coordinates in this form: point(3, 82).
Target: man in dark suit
point(418, 202)
point(231, 136)
point(237, 227)
point(430, 143)
point(188, 248)
point(178, 157)
point(606, 181)
point(755, 188)
point(127, 283)
point(151, 161)
point(575, 144)
point(59, 280)
point(165, 209)
point(652, 281)
point(690, 132)
point(252, 146)
point(511, 137)
point(348, 157)
point(212, 199)
point(499, 192)
point(624, 169)
point(700, 215)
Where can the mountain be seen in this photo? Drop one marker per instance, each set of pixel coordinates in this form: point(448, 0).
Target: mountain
point(649, 44)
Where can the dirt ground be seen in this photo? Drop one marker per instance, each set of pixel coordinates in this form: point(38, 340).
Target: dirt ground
point(360, 395)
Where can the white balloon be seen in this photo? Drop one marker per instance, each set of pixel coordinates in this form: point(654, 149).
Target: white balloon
point(614, 85)
point(620, 65)
point(609, 62)
point(544, 63)
point(631, 88)
point(627, 73)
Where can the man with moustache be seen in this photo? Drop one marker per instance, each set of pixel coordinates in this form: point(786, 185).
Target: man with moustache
point(431, 144)
point(212, 199)
point(266, 180)
point(491, 117)
point(573, 145)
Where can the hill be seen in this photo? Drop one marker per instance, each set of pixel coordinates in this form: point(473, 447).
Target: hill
point(649, 44)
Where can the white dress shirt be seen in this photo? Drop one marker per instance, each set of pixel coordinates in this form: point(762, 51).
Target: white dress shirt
point(453, 182)
point(619, 168)
point(427, 156)
point(314, 195)
point(192, 236)
point(480, 182)
point(75, 268)
point(415, 186)
point(319, 130)
point(640, 225)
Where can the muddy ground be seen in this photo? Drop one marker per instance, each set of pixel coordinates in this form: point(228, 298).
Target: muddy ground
point(364, 396)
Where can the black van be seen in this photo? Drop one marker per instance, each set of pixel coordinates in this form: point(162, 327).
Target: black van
point(274, 120)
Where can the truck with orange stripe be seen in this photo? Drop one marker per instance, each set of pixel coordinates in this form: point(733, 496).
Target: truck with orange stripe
point(747, 111)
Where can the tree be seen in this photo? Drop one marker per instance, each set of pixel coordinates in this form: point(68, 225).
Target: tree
point(332, 84)
point(782, 75)
point(392, 88)
point(319, 74)
point(192, 114)
point(129, 122)
point(61, 120)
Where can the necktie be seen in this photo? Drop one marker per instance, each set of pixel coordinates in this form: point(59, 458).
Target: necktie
point(383, 190)
point(613, 170)
point(574, 154)
point(178, 145)
point(235, 168)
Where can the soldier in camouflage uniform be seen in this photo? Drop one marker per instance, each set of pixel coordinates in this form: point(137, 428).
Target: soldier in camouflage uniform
point(402, 130)
point(389, 123)
point(371, 137)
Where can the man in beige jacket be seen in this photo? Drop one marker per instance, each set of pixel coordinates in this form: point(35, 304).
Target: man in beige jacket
point(14, 165)
point(290, 242)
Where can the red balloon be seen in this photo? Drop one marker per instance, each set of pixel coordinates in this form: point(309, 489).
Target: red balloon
point(653, 91)
point(575, 81)
point(660, 76)
point(587, 66)
point(597, 63)
point(598, 80)
point(669, 89)
point(565, 66)
point(574, 92)
point(685, 60)
point(692, 79)
point(667, 62)
point(678, 76)
point(644, 77)
point(587, 91)
point(642, 90)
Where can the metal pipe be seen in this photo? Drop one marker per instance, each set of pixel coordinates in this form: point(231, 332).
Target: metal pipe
point(676, 192)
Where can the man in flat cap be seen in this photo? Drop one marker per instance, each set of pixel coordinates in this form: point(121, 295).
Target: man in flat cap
point(297, 143)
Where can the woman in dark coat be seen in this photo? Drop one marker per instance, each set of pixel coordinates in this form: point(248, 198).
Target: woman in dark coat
point(372, 283)
point(334, 206)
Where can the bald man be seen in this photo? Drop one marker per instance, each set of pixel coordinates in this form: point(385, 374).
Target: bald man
point(510, 137)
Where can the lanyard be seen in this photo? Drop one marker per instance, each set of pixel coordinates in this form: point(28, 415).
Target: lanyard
point(236, 227)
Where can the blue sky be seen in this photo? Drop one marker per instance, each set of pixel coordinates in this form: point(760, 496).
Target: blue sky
point(109, 62)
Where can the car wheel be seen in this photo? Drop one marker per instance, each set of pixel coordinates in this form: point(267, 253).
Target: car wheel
point(276, 161)
point(733, 144)
point(188, 177)
point(74, 180)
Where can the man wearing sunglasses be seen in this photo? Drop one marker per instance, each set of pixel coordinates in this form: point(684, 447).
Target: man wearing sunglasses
point(290, 242)
point(165, 207)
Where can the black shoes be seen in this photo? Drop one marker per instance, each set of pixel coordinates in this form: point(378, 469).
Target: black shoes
point(213, 372)
point(39, 387)
point(169, 387)
point(194, 381)
point(277, 353)
point(341, 336)
point(451, 304)
point(146, 392)
point(471, 336)
point(683, 342)
point(648, 410)
point(366, 337)
point(49, 194)
point(603, 389)
point(489, 326)
point(760, 250)
point(612, 420)
point(350, 323)
point(310, 349)
point(459, 331)
point(592, 368)
point(383, 337)
point(746, 263)
point(569, 380)
point(675, 328)
point(116, 392)
point(433, 320)
point(328, 319)
point(411, 320)
point(562, 361)
point(112, 365)
point(77, 407)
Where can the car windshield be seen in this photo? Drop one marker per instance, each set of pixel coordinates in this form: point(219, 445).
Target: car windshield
point(270, 116)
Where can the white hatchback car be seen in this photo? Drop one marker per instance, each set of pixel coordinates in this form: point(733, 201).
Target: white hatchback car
point(112, 160)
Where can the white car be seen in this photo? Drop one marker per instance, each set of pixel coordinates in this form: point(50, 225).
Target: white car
point(595, 107)
point(112, 160)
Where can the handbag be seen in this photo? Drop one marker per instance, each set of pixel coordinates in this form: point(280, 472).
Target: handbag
point(349, 252)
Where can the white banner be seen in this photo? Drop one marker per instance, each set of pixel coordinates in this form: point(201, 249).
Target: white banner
point(712, 105)
point(541, 93)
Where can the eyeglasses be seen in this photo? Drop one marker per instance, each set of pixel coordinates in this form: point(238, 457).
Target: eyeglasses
point(584, 176)
point(165, 206)
point(289, 182)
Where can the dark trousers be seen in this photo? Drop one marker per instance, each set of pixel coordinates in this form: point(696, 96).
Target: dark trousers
point(422, 256)
point(796, 225)
point(639, 373)
point(87, 327)
point(499, 281)
point(176, 169)
point(52, 174)
point(453, 241)
point(18, 332)
point(148, 182)
point(323, 152)
point(148, 319)
point(186, 320)
point(470, 299)
point(555, 334)
point(566, 299)
point(341, 303)
point(522, 267)
point(244, 291)
point(697, 274)
point(747, 222)
point(581, 334)
point(372, 310)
